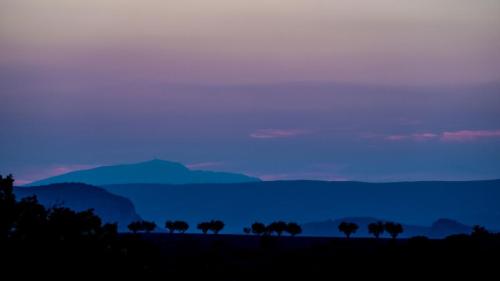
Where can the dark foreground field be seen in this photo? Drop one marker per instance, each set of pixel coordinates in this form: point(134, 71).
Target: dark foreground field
point(237, 257)
point(58, 242)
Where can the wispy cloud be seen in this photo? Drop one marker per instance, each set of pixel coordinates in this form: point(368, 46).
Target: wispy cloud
point(469, 135)
point(413, 137)
point(447, 136)
point(277, 133)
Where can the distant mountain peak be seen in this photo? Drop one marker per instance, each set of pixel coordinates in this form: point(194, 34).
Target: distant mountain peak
point(155, 171)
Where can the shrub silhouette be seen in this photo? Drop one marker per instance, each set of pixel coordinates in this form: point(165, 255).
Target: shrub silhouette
point(181, 226)
point(142, 226)
point(148, 226)
point(258, 228)
point(247, 230)
point(376, 228)
point(170, 225)
point(394, 229)
point(348, 228)
point(135, 226)
point(216, 226)
point(293, 228)
point(479, 231)
point(173, 226)
point(204, 227)
point(278, 227)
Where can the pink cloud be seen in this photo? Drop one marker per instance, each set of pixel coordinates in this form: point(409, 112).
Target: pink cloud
point(277, 133)
point(469, 135)
point(447, 136)
point(413, 137)
point(396, 137)
point(423, 136)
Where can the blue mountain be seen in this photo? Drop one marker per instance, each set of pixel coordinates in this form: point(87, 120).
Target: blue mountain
point(154, 171)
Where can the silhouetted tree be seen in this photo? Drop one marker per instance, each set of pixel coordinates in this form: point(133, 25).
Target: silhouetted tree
point(7, 205)
point(135, 226)
point(61, 237)
point(148, 226)
point(258, 228)
point(293, 228)
point(479, 231)
point(204, 227)
point(109, 231)
point(394, 229)
point(89, 222)
point(170, 225)
point(376, 228)
point(181, 226)
point(278, 226)
point(216, 226)
point(64, 223)
point(247, 230)
point(31, 218)
point(348, 228)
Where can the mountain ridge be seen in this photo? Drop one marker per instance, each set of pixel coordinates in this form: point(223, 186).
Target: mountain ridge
point(155, 171)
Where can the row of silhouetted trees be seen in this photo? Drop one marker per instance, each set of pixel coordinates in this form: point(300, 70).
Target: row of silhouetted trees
point(214, 226)
point(278, 227)
point(90, 221)
point(258, 228)
point(375, 228)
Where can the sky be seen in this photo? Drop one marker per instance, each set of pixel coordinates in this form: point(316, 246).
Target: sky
point(380, 90)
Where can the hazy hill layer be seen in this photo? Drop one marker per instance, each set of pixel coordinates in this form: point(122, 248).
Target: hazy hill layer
point(412, 203)
point(110, 207)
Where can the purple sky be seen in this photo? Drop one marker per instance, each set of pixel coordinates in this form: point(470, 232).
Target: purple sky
point(339, 90)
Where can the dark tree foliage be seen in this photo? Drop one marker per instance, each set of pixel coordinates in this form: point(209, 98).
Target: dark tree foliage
point(173, 226)
point(394, 229)
point(348, 228)
point(277, 227)
point(479, 231)
point(180, 226)
point(258, 228)
point(142, 226)
point(376, 228)
point(247, 230)
point(59, 239)
point(215, 226)
point(204, 227)
point(170, 226)
point(293, 228)
point(7, 206)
